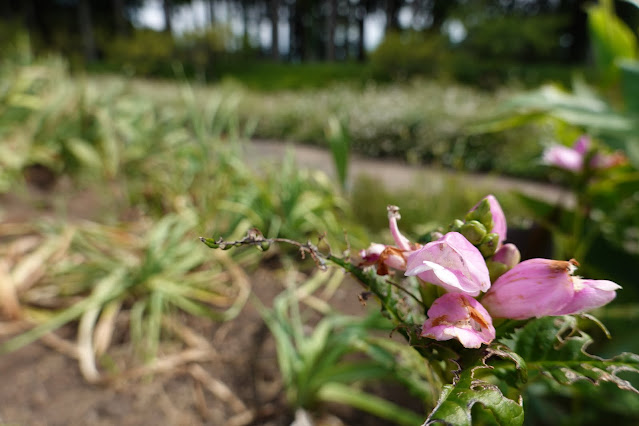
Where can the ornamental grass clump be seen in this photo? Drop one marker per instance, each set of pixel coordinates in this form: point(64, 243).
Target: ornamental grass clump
point(482, 320)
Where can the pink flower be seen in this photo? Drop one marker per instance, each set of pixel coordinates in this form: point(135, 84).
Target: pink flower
point(563, 157)
point(388, 256)
point(496, 214)
point(451, 263)
point(543, 287)
point(606, 161)
point(383, 256)
point(458, 316)
point(573, 158)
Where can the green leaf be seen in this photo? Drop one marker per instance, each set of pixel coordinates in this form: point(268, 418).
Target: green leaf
point(336, 392)
point(456, 401)
point(554, 347)
point(611, 39)
point(85, 153)
point(630, 84)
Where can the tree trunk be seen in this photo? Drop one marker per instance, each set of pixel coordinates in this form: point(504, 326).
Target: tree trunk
point(86, 30)
point(212, 12)
point(245, 24)
point(331, 23)
point(360, 16)
point(392, 15)
point(118, 17)
point(297, 31)
point(274, 13)
point(167, 8)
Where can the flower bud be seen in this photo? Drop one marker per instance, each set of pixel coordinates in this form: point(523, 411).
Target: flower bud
point(495, 270)
point(264, 245)
point(490, 214)
point(210, 242)
point(489, 244)
point(430, 236)
point(481, 213)
point(508, 254)
point(474, 231)
point(455, 225)
point(458, 316)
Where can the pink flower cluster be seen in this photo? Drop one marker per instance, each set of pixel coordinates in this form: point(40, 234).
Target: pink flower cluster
point(574, 159)
point(532, 288)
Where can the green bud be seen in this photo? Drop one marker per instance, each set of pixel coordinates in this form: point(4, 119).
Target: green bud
point(210, 242)
point(474, 231)
point(489, 244)
point(482, 214)
point(226, 246)
point(456, 225)
point(429, 236)
point(496, 270)
point(264, 245)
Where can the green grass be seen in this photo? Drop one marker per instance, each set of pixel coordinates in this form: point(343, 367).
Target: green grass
point(276, 76)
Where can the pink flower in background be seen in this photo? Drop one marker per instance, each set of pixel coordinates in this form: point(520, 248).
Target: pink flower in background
point(573, 158)
point(458, 316)
point(543, 287)
point(607, 161)
point(563, 157)
point(452, 263)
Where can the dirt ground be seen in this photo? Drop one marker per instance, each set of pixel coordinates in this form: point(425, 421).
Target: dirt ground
point(42, 386)
point(229, 376)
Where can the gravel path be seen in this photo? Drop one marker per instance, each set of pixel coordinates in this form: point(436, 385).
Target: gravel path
point(395, 174)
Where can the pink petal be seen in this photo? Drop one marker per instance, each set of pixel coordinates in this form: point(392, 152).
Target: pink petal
point(563, 157)
point(452, 263)
point(381, 254)
point(372, 253)
point(589, 294)
point(582, 145)
point(458, 316)
point(533, 288)
point(393, 216)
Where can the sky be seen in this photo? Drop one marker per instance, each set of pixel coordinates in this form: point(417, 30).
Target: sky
point(195, 16)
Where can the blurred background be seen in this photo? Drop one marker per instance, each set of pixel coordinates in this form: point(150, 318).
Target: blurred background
point(130, 128)
point(484, 43)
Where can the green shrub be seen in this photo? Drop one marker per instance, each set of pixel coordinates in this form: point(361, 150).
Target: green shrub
point(145, 52)
point(404, 55)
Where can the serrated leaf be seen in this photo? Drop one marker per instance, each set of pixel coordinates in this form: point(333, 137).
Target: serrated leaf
point(543, 345)
point(457, 400)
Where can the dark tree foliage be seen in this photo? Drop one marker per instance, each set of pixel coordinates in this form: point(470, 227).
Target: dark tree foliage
point(329, 30)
